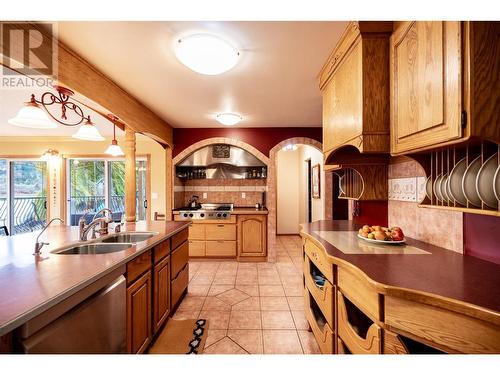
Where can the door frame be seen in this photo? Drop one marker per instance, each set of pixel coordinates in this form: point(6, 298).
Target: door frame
point(10, 158)
point(65, 181)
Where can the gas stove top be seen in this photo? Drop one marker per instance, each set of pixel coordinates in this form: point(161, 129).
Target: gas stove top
point(207, 211)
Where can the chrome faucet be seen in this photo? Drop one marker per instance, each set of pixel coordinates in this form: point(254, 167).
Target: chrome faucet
point(104, 221)
point(39, 245)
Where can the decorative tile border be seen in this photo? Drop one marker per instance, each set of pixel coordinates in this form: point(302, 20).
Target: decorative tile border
point(181, 188)
point(409, 189)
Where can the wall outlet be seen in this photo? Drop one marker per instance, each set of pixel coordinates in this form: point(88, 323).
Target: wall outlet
point(204, 195)
point(243, 195)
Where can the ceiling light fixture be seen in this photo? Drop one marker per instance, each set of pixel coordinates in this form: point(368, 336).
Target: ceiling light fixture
point(35, 114)
point(114, 149)
point(88, 132)
point(206, 54)
point(290, 147)
point(228, 118)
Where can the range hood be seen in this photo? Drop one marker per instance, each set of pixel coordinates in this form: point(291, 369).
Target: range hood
point(221, 154)
point(222, 161)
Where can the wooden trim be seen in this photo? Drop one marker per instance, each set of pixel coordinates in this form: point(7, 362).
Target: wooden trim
point(169, 184)
point(82, 77)
point(130, 175)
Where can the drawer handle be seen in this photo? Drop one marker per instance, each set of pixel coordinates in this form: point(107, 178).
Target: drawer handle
point(219, 241)
point(220, 225)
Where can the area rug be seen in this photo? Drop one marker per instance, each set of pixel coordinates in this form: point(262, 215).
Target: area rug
point(186, 336)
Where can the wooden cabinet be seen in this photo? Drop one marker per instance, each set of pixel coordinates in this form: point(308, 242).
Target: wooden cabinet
point(252, 236)
point(161, 298)
point(139, 314)
point(179, 268)
point(426, 84)
point(178, 285)
point(444, 83)
point(355, 86)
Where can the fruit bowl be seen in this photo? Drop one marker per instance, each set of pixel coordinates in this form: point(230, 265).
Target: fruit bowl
point(384, 242)
point(382, 235)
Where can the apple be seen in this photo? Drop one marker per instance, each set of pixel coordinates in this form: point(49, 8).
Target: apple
point(377, 228)
point(365, 235)
point(366, 229)
point(397, 234)
point(371, 236)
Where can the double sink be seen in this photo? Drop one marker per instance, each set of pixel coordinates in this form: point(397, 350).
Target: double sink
point(108, 244)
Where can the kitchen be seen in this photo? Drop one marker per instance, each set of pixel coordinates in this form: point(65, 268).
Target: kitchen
point(356, 215)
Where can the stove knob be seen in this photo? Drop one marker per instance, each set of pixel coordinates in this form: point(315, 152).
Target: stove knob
point(190, 215)
point(218, 215)
point(185, 215)
point(202, 215)
point(224, 215)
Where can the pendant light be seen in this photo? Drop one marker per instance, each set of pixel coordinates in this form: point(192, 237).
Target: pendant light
point(33, 116)
point(113, 148)
point(88, 132)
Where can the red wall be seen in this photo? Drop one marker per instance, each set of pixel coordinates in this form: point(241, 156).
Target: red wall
point(372, 213)
point(263, 139)
point(482, 237)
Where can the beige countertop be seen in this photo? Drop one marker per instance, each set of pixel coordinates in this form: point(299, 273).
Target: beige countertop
point(241, 211)
point(30, 285)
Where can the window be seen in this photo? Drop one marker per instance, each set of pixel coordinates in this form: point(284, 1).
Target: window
point(94, 184)
point(23, 194)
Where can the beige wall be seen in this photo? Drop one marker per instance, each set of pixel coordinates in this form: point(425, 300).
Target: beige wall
point(13, 146)
point(288, 192)
point(318, 207)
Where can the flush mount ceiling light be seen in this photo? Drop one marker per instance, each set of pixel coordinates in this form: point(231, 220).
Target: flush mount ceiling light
point(290, 147)
point(114, 149)
point(206, 54)
point(228, 118)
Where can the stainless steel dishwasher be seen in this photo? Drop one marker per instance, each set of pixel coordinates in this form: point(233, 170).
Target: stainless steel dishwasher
point(94, 325)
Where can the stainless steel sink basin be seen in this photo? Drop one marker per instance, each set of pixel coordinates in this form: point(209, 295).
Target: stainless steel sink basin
point(130, 237)
point(94, 248)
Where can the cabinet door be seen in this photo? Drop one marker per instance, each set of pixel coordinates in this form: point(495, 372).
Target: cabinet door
point(139, 314)
point(197, 232)
point(161, 302)
point(425, 84)
point(343, 102)
point(252, 235)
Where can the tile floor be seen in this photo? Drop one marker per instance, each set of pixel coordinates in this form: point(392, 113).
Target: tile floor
point(253, 308)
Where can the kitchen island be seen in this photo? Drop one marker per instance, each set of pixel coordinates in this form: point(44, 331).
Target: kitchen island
point(376, 299)
point(31, 285)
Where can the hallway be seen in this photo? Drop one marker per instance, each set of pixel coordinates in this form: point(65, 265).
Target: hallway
point(253, 308)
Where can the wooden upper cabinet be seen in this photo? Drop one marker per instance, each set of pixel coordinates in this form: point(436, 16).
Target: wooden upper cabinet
point(252, 235)
point(444, 83)
point(355, 86)
point(426, 84)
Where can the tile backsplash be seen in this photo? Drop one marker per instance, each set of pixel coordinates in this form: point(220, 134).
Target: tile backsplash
point(406, 189)
point(240, 192)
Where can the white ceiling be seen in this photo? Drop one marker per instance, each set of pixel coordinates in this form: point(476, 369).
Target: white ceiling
point(273, 85)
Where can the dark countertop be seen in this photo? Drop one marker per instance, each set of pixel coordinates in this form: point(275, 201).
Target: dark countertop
point(442, 273)
point(30, 285)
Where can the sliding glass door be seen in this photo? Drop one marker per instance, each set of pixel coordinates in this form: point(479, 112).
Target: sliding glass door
point(94, 184)
point(23, 195)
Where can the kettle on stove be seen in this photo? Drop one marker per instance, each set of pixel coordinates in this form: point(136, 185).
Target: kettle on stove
point(193, 202)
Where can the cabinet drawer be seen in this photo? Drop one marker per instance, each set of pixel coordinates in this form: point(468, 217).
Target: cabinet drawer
point(320, 259)
point(161, 251)
point(136, 267)
point(445, 329)
point(197, 231)
point(179, 285)
point(322, 331)
point(359, 290)
point(221, 248)
point(179, 258)
point(196, 248)
point(220, 232)
point(324, 297)
point(353, 335)
point(179, 238)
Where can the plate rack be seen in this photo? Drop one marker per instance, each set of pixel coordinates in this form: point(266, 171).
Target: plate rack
point(363, 182)
point(441, 163)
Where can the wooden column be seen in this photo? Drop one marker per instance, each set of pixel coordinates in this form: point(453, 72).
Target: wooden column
point(130, 178)
point(169, 185)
